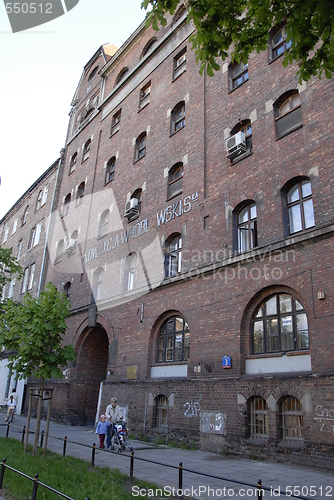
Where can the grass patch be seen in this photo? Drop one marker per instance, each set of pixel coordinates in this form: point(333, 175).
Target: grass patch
point(71, 476)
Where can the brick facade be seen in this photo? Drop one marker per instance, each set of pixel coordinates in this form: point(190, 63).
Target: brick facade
point(214, 281)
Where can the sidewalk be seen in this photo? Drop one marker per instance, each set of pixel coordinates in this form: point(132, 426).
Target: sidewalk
point(276, 477)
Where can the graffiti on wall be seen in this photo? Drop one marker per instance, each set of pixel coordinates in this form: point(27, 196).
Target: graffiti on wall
point(192, 409)
point(325, 417)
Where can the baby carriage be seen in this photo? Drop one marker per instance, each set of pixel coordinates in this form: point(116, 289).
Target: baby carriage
point(120, 441)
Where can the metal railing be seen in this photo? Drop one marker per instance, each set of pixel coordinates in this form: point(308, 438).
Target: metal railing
point(258, 488)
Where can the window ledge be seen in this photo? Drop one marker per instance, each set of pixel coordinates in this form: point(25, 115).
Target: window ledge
point(83, 161)
point(179, 72)
point(176, 131)
point(138, 159)
point(278, 354)
point(143, 105)
point(242, 157)
point(113, 133)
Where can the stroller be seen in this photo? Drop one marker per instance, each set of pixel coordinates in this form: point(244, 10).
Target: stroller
point(120, 441)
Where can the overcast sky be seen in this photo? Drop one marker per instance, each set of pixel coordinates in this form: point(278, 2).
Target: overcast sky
point(40, 70)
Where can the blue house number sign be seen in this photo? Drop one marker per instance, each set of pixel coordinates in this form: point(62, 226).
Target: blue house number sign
point(227, 362)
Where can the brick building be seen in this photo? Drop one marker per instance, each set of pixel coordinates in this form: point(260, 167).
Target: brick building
point(24, 229)
point(194, 237)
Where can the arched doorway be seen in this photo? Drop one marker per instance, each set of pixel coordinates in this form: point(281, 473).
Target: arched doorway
point(91, 371)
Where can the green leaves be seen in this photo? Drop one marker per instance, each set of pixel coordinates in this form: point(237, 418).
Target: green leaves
point(235, 29)
point(32, 332)
point(9, 266)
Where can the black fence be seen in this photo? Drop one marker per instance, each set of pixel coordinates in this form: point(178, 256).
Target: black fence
point(258, 488)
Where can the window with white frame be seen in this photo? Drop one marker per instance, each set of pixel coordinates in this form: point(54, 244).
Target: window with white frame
point(39, 200)
point(246, 228)
point(5, 234)
point(287, 113)
point(180, 63)
point(173, 256)
point(130, 273)
point(144, 96)
point(300, 207)
point(104, 223)
point(178, 117)
point(110, 170)
point(14, 226)
point(140, 147)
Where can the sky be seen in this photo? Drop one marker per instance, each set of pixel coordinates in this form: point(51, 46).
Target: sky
point(39, 72)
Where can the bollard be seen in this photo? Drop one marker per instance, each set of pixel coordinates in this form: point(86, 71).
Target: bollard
point(64, 447)
point(180, 475)
point(7, 432)
point(132, 459)
point(23, 433)
point(34, 488)
point(93, 455)
point(2, 472)
point(259, 490)
point(42, 438)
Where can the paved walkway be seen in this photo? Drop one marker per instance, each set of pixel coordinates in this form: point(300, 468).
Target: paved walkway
point(242, 473)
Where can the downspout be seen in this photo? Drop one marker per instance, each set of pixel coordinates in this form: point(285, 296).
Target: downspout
point(62, 152)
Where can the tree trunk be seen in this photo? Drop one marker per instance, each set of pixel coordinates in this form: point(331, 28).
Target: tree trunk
point(47, 423)
point(38, 420)
point(28, 422)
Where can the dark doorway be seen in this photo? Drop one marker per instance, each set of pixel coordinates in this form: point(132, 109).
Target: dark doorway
point(91, 371)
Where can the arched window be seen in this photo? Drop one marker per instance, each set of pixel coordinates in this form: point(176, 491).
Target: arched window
point(178, 117)
point(104, 223)
point(97, 283)
point(80, 193)
point(173, 257)
point(93, 73)
point(130, 272)
point(25, 215)
point(237, 75)
point(292, 420)
point(279, 325)
point(246, 227)
point(148, 47)
point(300, 207)
point(160, 416)
point(72, 243)
point(86, 150)
point(67, 287)
point(121, 75)
point(175, 180)
point(73, 162)
point(278, 43)
point(258, 417)
point(110, 170)
point(59, 251)
point(174, 341)
point(140, 147)
point(67, 202)
point(39, 200)
point(179, 13)
point(288, 113)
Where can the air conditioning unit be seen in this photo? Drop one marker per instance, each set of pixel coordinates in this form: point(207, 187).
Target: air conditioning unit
point(131, 208)
point(235, 145)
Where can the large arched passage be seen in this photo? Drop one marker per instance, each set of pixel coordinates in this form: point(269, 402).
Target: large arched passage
point(91, 371)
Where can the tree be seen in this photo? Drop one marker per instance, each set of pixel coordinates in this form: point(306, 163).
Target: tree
point(32, 333)
point(243, 26)
point(8, 266)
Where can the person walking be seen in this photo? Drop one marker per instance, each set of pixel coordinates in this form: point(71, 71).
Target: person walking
point(101, 430)
point(113, 415)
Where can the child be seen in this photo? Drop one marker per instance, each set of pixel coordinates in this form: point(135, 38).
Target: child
point(101, 430)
